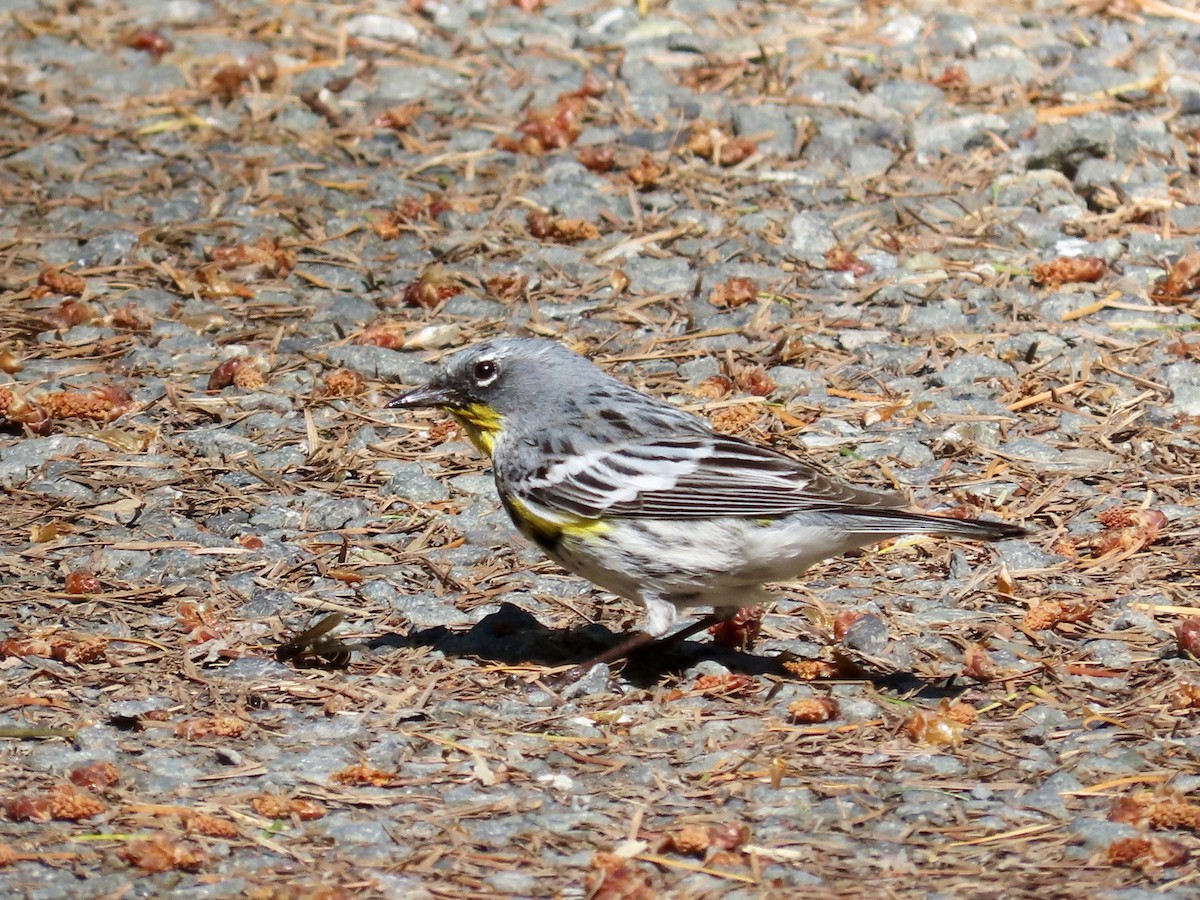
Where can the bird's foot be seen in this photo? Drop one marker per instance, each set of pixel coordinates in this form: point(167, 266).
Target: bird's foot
point(559, 680)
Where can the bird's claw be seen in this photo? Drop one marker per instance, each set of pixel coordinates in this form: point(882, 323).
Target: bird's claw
point(566, 678)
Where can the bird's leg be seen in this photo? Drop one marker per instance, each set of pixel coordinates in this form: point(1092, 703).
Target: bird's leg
point(631, 644)
point(639, 641)
point(701, 624)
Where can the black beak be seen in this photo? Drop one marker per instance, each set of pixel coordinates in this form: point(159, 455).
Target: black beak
point(427, 395)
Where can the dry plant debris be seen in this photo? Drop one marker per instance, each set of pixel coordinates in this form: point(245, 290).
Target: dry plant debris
point(725, 684)
point(64, 803)
point(839, 259)
point(555, 127)
point(1187, 636)
point(734, 293)
point(646, 173)
point(814, 709)
point(708, 141)
point(946, 726)
point(1049, 613)
point(278, 806)
point(560, 230)
point(162, 853)
point(1182, 280)
point(1067, 269)
point(947, 251)
point(434, 286)
point(1163, 811)
point(95, 775)
point(344, 383)
point(1147, 853)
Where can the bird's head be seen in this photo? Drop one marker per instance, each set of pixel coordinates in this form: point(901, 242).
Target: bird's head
point(490, 383)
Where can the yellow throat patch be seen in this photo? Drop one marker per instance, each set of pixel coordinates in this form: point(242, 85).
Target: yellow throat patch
point(481, 423)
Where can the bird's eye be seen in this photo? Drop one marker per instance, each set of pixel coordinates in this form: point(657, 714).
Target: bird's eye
point(485, 371)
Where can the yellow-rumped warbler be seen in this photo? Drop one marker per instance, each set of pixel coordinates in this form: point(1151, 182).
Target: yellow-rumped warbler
point(646, 500)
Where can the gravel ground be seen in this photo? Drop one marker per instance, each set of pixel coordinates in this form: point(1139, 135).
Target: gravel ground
point(953, 252)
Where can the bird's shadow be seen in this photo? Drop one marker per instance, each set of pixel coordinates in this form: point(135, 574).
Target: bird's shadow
point(514, 637)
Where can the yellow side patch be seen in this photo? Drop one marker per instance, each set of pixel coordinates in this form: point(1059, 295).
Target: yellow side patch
point(544, 530)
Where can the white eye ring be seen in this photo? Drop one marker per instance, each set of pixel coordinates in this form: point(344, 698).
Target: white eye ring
point(485, 372)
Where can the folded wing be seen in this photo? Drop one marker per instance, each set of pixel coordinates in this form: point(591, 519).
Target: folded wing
point(694, 476)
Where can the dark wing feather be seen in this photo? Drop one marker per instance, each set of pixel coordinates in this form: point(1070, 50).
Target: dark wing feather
point(693, 476)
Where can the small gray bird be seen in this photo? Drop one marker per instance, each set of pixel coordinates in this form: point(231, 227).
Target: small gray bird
point(644, 499)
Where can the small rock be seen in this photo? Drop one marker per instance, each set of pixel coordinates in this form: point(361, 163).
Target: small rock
point(868, 635)
point(410, 482)
point(384, 28)
point(809, 238)
point(594, 682)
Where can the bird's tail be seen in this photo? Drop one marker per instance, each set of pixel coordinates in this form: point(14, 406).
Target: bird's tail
point(904, 521)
